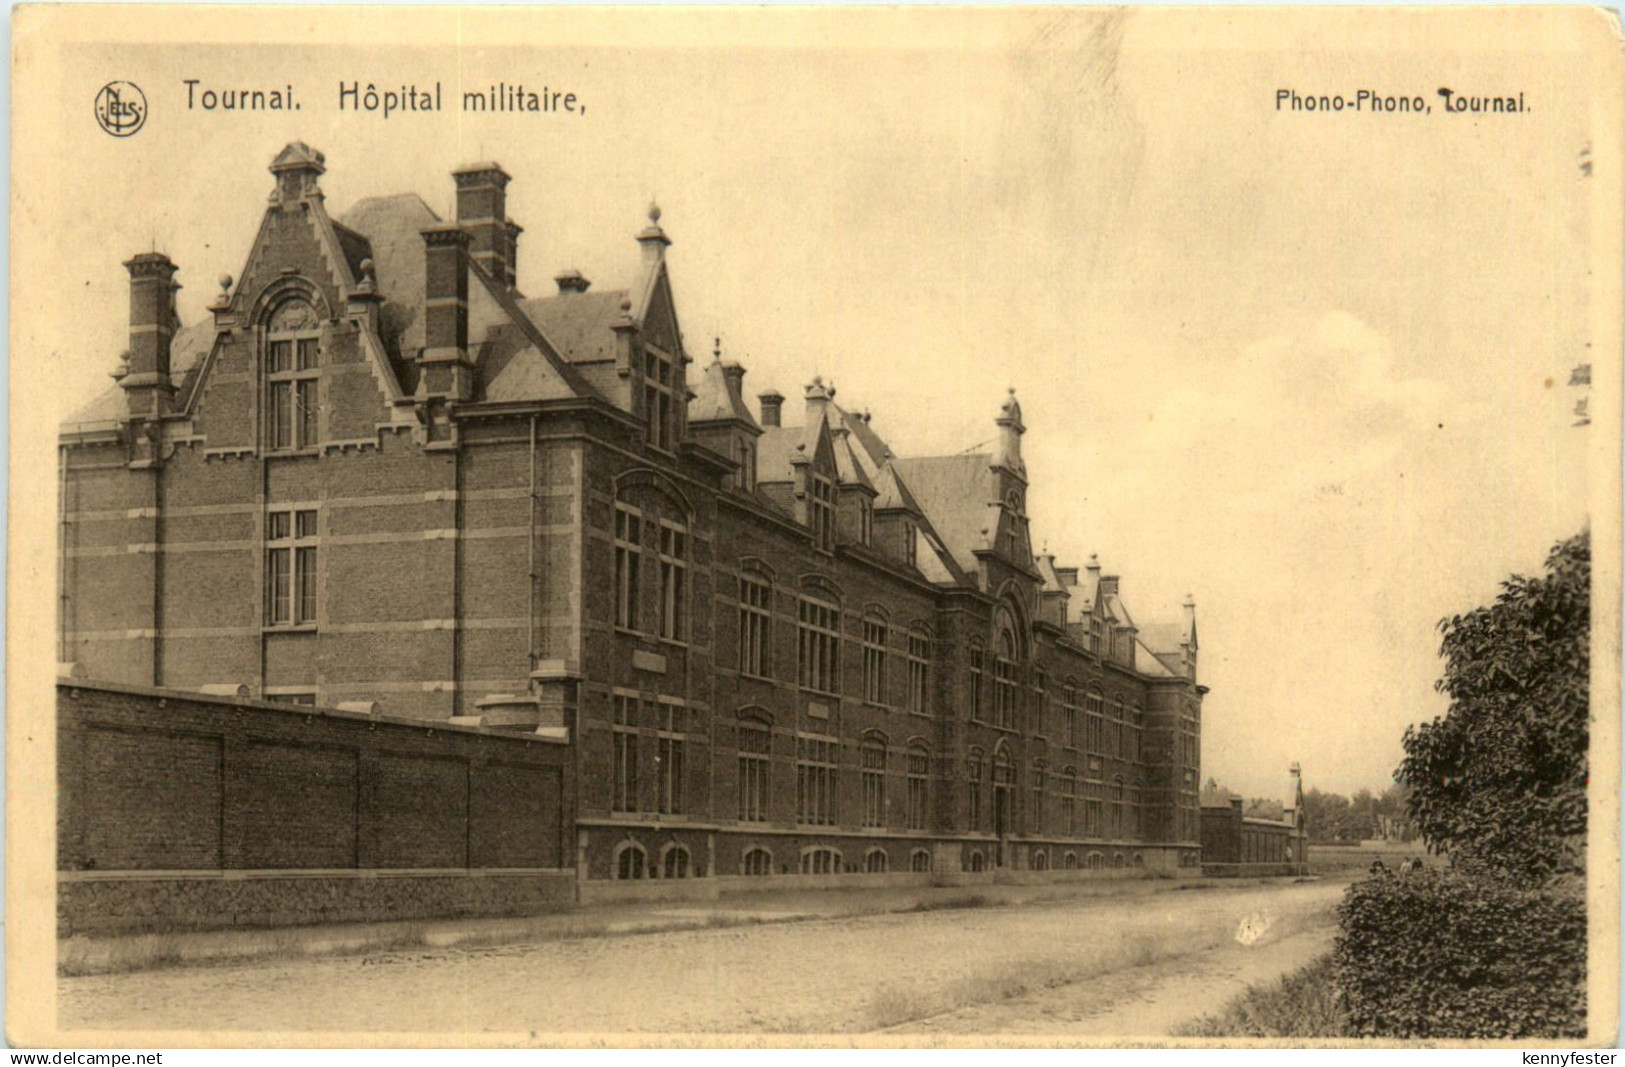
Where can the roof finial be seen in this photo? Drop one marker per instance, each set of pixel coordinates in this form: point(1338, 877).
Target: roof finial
point(716, 349)
point(654, 212)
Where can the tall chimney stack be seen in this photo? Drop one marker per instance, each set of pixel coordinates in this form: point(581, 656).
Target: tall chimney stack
point(445, 312)
point(482, 210)
point(772, 403)
point(147, 387)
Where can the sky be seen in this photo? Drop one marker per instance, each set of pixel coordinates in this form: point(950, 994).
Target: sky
point(1311, 369)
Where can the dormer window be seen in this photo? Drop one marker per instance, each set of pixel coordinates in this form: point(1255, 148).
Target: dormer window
point(744, 454)
point(659, 382)
point(1012, 545)
point(822, 507)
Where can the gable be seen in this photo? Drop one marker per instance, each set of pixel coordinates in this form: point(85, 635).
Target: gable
point(659, 322)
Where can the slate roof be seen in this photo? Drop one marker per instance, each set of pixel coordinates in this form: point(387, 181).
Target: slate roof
point(714, 401)
point(578, 324)
point(955, 491)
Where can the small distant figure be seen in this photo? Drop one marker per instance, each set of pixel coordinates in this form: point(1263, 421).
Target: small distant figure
point(1378, 867)
point(1410, 864)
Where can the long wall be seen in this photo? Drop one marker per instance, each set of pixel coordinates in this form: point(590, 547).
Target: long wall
point(190, 810)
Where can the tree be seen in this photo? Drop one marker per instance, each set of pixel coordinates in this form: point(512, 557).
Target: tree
point(1499, 780)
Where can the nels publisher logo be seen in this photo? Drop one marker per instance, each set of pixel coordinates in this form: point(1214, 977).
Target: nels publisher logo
point(121, 108)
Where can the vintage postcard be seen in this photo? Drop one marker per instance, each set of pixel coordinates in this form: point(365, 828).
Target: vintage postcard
point(835, 526)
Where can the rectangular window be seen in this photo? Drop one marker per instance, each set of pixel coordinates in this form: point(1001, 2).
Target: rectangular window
point(1038, 801)
point(1069, 812)
point(1004, 693)
point(874, 661)
point(624, 795)
point(919, 784)
point(291, 567)
point(1040, 716)
point(823, 512)
point(293, 398)
point(873, 773)
point(820, 646)
point(673, 581)
point(755, 620)
point(754, 756)
point(1069, 717)
point(977, 673)
point(658, 382)
point(919, 658)
point(973, 797)
point(628, 556)
point(1096, 738)
point(816, 759)
point(671, 744)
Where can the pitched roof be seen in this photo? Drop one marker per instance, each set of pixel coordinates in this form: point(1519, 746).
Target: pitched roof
point(714, 401)
point(578, 324)
point(848, 469)
point(393, 227)
point(186, 355)
point(1147, 662)
point(954, 492)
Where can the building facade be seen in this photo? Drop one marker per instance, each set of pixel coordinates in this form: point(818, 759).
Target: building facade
point(380, 474)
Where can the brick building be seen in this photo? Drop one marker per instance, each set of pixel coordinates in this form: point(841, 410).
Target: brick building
point(379, 472)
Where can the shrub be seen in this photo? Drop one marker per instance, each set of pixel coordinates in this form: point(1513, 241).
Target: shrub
point(1441, 954)
point(1302, 1004)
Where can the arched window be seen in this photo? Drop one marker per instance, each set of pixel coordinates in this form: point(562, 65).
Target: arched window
point(1139, 859)
point(873, 774)
point(1004, 682)
point(293, 371)
point(1004, 768)
point(978, 680)
point(758, 862)
point(629, 861)
point(976, 863)
point(1117, 807)
point(919, 786)
point(919, 672)
point(875, 861)
point(1117, 860)
point(820, 861)
point(1096, 861)
point(919, 861)
point(674, 862)
point(1070, 862)
point(973, 790)
point(874, 658)
point(1040, 860)
point(1038, 796)
point(1069, 801)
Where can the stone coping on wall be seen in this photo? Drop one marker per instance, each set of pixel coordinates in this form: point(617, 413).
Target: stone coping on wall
point(305, 710)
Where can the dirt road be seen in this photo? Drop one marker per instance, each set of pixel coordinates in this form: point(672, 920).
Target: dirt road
point(1122, 963)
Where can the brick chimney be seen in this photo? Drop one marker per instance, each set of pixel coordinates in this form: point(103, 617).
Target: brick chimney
point(482, 210)
point(445, 312)
point(772, 403)
point(146, 385)
point(571, 281)
point(514, 230)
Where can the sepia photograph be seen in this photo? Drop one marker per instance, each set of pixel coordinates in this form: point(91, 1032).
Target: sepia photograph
point(1052, 527)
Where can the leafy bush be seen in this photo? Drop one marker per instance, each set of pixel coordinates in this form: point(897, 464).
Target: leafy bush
point(1500, 781)
point(1441, 954)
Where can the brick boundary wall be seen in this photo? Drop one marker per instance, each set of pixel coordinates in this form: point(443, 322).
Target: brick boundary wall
point(182, 810)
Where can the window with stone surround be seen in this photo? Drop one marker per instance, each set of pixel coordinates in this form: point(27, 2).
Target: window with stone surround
point(874, 659)
point(816, 761)
point(919, 671)
point(292, 537)
point(755, 764)
point(919, 787)
point(671, 734)
point(820, 624)
point(628, 564)
point(755, 626)
point(293, 377)
point(624, 791)
point(673, 581)
point(872, 772)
